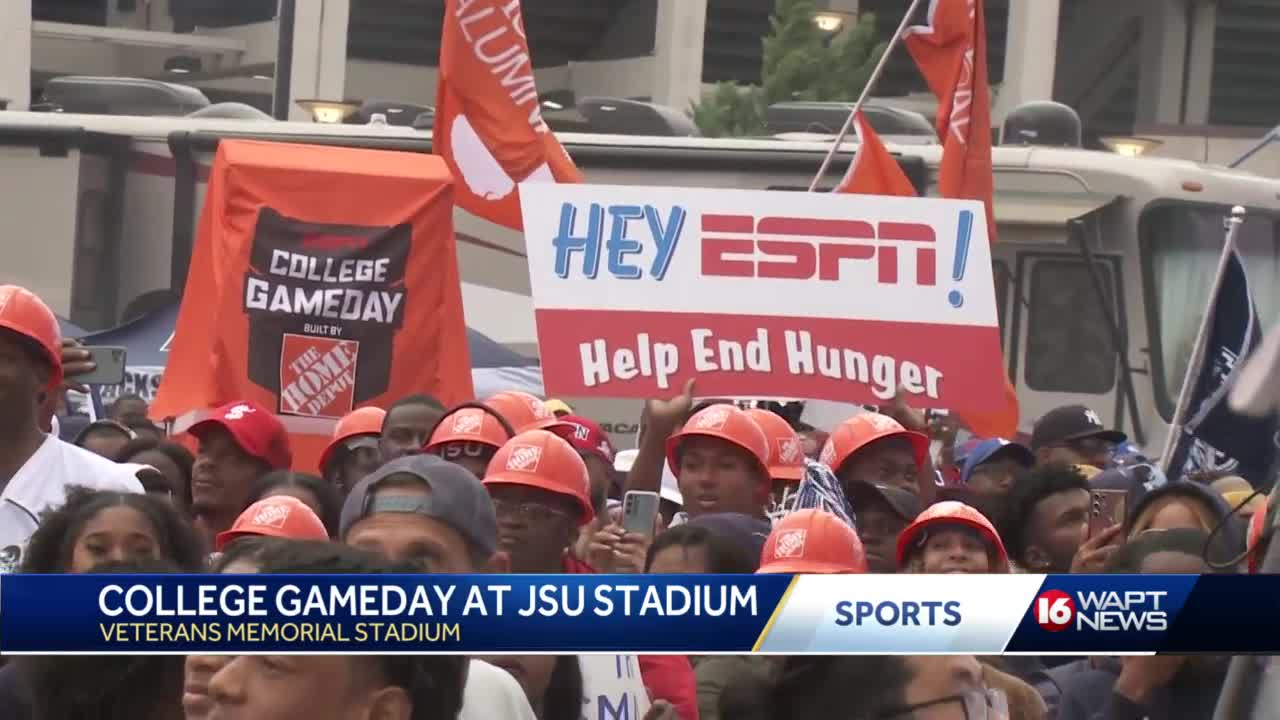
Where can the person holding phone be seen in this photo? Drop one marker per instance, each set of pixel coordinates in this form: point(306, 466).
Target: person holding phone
point(36, 468)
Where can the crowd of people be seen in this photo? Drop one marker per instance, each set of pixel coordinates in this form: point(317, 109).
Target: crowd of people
point(513, 484)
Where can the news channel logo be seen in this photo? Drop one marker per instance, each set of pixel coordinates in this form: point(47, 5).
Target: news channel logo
point(1104, 611)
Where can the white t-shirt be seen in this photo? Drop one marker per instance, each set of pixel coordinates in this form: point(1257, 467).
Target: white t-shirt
point(41, 484)
point(492, 694)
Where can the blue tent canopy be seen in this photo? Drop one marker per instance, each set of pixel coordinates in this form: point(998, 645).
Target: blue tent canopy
point(495, 367)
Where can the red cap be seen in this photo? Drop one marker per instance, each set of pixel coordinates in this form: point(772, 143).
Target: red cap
point(279, 516)
point(588, 437)
point(255, 429)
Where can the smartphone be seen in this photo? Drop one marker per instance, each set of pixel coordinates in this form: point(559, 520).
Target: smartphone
point(110, 366)
point(639, 509)
point(1106, 509)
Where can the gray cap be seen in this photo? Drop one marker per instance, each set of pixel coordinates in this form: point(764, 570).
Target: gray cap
point(456, 499)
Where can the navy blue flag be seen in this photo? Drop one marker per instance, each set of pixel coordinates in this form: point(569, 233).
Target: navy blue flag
point(1212, 436)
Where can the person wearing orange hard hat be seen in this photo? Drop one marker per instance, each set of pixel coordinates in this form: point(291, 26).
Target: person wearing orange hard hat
point(876, 449)
point(36, 468)
point(526, 412)
point(468, 435)
point(278, 516)
point(542, 496)
point(786, 450)
point(721, 462)
point(353, 451)
point(951, 537)
point(812, 542)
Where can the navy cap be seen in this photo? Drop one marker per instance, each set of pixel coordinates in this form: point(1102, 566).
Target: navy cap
point(742, 530)
point(456, 498)
point(995, 449)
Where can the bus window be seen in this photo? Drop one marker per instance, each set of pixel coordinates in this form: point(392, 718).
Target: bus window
point(1000, 271)
point(1069, 347)
point(1181, 245)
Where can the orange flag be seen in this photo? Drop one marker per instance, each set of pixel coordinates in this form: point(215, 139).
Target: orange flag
point(874, 171)
point(951, 52)
point(313, 303)
point(488, 122)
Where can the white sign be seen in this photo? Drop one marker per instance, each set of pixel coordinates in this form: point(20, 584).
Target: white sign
point(815, 295)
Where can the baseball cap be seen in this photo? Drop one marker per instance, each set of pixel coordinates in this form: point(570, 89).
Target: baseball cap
point(586, 436)
point(1071, 422)
point(558, 406)
point(456, 498)
point(903, 504)
point(995, 449)
point(742, 530)
point(255, 429)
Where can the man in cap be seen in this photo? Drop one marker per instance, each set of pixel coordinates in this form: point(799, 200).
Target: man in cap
point(37, 468)
point(1075, 435)
point(408, 424)
point(424, 510)
point(598, 453)
point(881, 513)
point(353, 451)
point(239, 443)
point(990, 468)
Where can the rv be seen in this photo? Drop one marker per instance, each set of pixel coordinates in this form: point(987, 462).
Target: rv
point(1102, 266)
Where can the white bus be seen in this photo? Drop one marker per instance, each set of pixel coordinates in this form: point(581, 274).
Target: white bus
point(101, 210)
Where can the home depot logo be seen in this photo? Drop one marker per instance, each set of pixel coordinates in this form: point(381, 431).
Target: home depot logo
point(468, 422)
point(524, 458)
point(271, 516)
point(790, 544)
point(712, 419)
point(789, 450)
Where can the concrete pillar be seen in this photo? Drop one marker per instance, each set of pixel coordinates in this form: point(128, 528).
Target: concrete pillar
point(1164, 46)
point(677, 50)
point(1200, 75)
point(319, 53)
point(15, 53)
point(1031, 51)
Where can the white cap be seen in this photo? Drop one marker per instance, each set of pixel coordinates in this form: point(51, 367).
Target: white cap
point(623, 461)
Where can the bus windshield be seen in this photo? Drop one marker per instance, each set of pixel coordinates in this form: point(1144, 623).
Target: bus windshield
point(1181, 244)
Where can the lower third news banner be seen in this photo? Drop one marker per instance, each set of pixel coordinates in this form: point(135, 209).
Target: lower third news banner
point(685, 614)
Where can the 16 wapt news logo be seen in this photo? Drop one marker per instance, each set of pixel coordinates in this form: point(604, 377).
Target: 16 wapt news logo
point(1131, 611)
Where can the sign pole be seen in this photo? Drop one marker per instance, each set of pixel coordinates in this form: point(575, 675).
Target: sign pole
point(866, 92)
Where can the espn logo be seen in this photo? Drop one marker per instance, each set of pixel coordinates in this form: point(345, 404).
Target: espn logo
point(806, 248)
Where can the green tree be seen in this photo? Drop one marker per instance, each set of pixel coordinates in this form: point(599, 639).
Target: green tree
point(800, 62)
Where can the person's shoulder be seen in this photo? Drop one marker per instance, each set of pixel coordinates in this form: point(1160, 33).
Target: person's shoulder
point(81, 467)
point(491, 692)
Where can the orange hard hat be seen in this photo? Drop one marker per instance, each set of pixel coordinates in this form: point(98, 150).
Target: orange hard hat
point(725, 422)
point(525, 412)
point(361, 421)
point(786, 450)
point(22, 312)
point(540, 459)
point(1257, 526)
point(860, 431)
point(278, 516)
point(815, 542)
point(473, 423)
point(951, 512)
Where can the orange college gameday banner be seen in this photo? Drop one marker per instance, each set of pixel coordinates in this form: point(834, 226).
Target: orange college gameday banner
point(322, 279)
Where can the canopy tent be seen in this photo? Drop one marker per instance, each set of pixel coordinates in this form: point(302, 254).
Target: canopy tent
point(494, 366)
